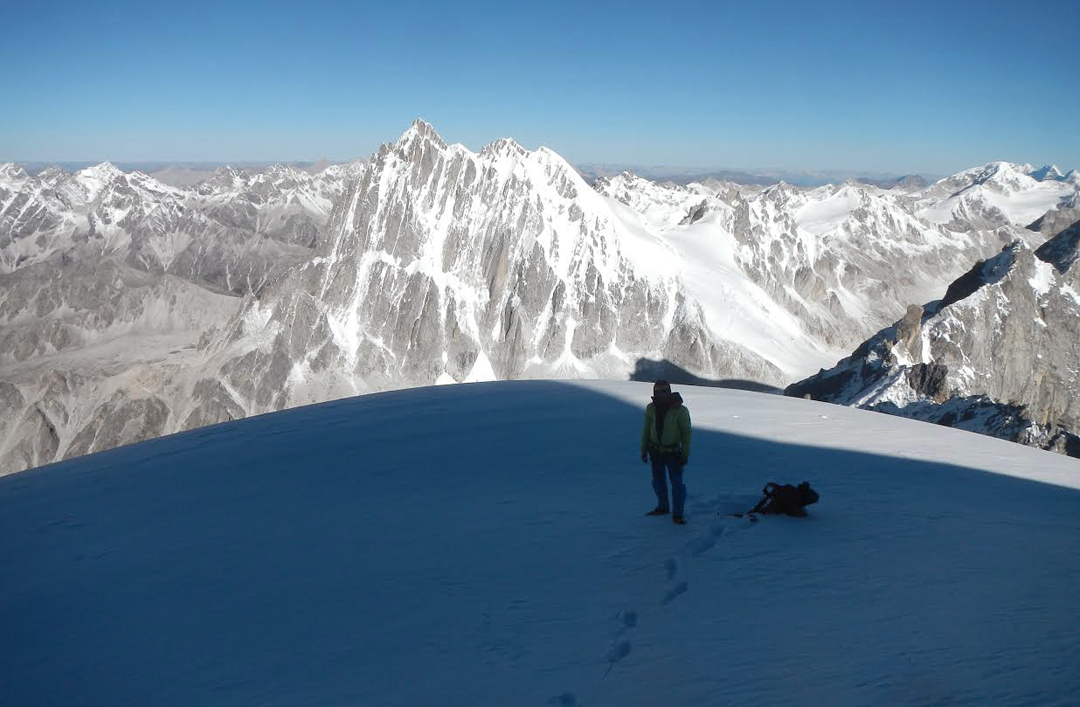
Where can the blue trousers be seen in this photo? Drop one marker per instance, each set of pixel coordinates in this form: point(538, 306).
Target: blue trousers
point(671, 464)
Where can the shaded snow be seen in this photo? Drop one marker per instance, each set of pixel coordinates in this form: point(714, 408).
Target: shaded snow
point(458, 545)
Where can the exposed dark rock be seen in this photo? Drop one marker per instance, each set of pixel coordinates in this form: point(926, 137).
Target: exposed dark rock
point(696, 213)
point(822, 386)
point(909, 328)
point(930, 380)
point(1062, 250)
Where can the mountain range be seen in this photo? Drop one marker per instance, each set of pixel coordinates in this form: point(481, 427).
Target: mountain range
point(130, 308)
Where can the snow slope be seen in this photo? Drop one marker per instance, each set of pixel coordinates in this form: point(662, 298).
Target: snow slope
point(485, 544)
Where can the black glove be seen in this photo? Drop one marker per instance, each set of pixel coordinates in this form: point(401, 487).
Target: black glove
point(645, 457)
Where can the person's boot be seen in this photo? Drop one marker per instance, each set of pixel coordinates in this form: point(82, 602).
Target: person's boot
point(679, 520)
point(658, 511)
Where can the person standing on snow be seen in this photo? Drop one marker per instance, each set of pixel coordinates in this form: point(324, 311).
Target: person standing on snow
point(665, 439)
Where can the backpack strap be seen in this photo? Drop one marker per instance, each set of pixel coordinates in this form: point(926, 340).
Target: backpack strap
point(769, 491)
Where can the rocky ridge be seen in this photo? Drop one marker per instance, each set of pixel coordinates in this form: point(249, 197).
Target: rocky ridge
point(998, 354)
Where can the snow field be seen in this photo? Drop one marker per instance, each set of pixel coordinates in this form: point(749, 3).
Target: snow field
point(485, 544)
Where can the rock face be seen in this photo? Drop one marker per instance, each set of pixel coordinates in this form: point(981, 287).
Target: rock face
point(1057, 220)
point(129, 308)
point(1061, 251)
point(1000, 354)
point(443, 265)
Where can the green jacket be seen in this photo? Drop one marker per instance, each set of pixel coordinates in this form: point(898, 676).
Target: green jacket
point(676, 429)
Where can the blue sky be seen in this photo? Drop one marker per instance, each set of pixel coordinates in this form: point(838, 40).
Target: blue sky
point(900, 87)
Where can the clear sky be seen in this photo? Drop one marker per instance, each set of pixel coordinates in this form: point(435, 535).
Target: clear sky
point(929, 87)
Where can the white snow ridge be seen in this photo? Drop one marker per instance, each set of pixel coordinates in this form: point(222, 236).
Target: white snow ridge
point(485, 544)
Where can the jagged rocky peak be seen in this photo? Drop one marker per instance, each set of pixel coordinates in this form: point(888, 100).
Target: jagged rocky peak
point(782, 191)
point(226, 178)
point(611, 185)
point(997, 354)
point(504, 147)
point(419, 132)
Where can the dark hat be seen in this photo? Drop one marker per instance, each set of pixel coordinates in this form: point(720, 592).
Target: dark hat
point(661, 387)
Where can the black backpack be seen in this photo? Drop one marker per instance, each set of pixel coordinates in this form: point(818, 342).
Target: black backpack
point(787, 499)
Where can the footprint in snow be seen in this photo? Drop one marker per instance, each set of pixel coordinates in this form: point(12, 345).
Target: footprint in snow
point(671, 567)
point(566, 699)
point(702, 545)
point(707, 542)
point(616, 652)
point(675, 592)
point(629, 619)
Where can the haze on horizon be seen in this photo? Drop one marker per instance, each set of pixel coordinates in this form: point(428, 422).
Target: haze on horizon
point(920, 88)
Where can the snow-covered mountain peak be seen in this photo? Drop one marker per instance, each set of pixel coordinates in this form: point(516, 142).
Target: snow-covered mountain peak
point(148, 182)
point(418, 133)
point(661, 205)
point(225, 178)
point(1049, 171)
point(278, 170)
point(786, 188)
point(783, 194)
point(554, 160)
point(94, 180)
point(279, 177)
point(51, 174)
point(1005, 176)
point(504, 147)
point(627, 179)
point(621, 185)
point(994, 195)
point(344, 170)
point(9, 171)
point(104, 171)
